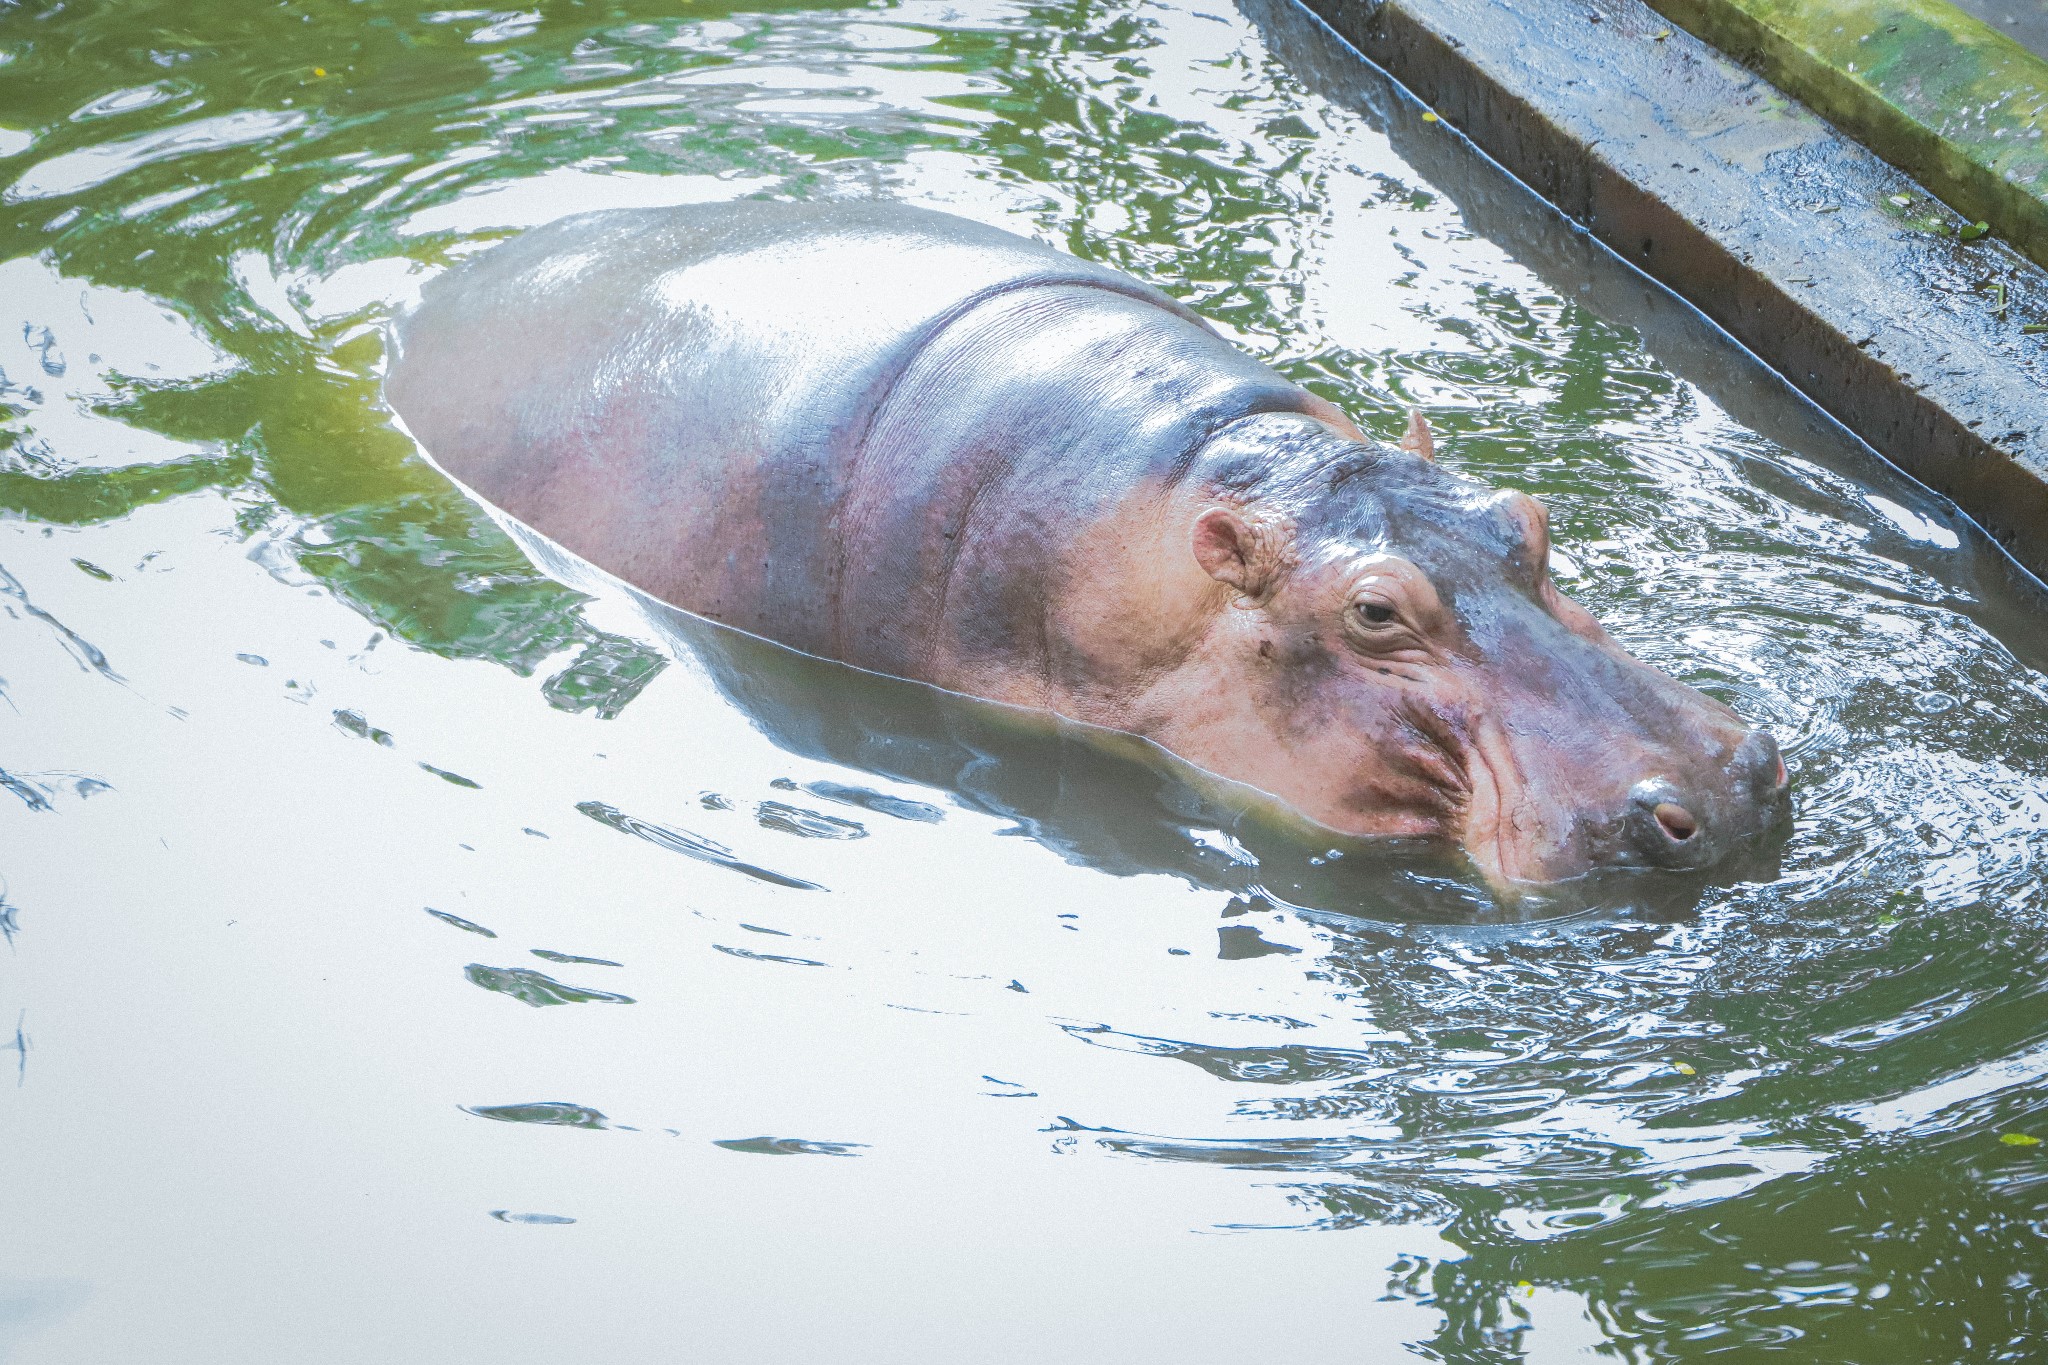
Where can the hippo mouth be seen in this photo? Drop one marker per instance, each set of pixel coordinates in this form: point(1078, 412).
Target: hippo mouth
point(1524, 830)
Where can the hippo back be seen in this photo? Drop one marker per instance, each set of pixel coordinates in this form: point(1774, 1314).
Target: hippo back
point(840, 426)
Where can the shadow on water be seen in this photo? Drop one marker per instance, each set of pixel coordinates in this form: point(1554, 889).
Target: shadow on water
point(1101, 798)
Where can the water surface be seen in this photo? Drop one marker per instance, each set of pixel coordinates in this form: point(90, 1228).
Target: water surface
point(411, 957)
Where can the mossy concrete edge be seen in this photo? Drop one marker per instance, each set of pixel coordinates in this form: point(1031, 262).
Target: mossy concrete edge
point(1753, 209)
point(1939, 94)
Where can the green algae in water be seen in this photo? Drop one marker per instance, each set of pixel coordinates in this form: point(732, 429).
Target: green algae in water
point(1776, 1120)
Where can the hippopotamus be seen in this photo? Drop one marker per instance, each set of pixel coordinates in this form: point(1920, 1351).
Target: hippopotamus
point(933, 449)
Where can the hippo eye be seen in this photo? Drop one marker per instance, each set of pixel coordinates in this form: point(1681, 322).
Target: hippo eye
point(1375, 613)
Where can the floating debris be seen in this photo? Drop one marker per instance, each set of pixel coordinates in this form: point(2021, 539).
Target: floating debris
point(354, 723)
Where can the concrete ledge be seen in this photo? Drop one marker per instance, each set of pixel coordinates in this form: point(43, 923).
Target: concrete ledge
point(1753, 209)
point(1947, 99)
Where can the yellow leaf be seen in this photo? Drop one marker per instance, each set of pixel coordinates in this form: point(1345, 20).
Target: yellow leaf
point(1662, 34)
point(1429, 117)
point(1682, 1069)
point(320, 71)
point(2019, 1139)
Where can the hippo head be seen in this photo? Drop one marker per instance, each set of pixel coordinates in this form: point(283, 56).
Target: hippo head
point(1413, 671)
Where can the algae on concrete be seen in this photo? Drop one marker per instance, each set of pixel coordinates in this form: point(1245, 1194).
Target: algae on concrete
point(1939, 94)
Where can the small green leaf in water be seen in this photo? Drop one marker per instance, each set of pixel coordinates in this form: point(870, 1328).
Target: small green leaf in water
point(1661, 34)
point(2019, 1139)
point(455, 778)
point(2033, 329)
point(1904, 201)
point(353, 723)
point(85, 566)
point(1970, 232)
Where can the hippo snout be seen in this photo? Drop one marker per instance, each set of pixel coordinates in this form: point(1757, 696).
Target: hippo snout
point(1680, 825)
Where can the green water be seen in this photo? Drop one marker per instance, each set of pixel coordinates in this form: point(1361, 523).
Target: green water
point(350, 1021)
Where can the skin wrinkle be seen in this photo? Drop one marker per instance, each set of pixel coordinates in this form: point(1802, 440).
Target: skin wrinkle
point(1439, 741)
point(929, 645)
point(1324, 413)
point(986, 386)
point(855, 528)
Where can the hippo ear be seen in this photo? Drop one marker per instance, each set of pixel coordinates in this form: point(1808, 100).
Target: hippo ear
point(1232, 550)
point(1418, 440)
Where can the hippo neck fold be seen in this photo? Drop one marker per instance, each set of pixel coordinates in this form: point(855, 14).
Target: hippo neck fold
point(1009, 435)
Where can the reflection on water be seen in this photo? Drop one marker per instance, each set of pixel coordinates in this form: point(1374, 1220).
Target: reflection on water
point(270, 688)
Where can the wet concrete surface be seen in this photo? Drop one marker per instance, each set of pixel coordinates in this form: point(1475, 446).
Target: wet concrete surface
point(2023, 21)
point(1948, 100)
point(1836, 269)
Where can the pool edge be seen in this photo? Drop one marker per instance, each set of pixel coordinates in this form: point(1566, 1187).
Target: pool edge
point(1833, 267)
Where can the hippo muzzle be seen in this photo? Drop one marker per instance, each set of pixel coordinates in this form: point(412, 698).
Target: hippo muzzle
point(1694, 825)
point(1667, 779)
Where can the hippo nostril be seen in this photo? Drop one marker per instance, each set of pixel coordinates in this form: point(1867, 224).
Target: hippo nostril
point(1676, 821)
